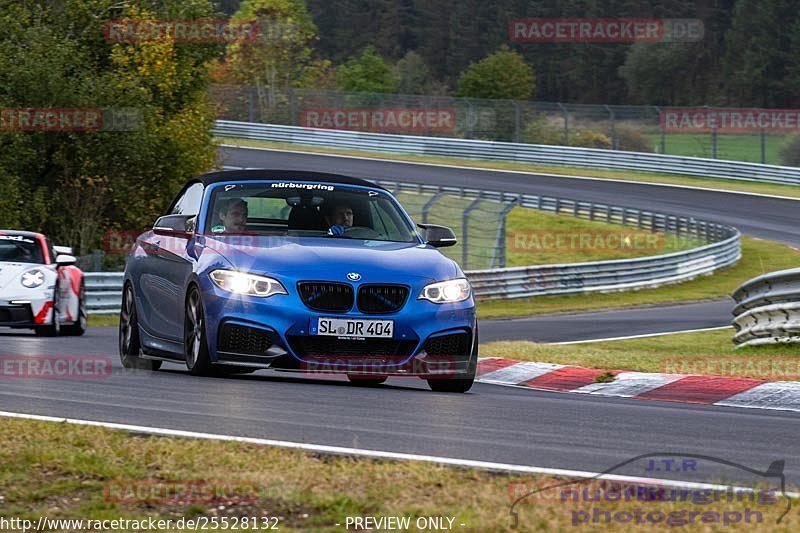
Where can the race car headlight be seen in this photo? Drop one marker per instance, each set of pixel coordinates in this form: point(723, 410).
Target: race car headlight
point(32, 278)
point(249, 284)
point(455, 290)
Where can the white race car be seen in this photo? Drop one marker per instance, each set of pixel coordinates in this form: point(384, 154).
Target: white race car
point(40, 286)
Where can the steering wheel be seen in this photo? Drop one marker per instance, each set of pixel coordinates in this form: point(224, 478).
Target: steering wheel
point(361, 232)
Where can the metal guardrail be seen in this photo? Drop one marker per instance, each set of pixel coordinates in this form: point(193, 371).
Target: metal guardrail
point(722, 249)
point(515, 152)
point(103, 292)
point(768, 309)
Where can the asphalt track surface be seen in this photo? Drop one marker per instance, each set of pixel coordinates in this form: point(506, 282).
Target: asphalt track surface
point(490, 423)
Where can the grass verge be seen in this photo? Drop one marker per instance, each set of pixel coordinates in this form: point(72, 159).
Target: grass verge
point(790, 191)
point(65, 471)
point(96, 321)
point(758, 257)
point(704, 353)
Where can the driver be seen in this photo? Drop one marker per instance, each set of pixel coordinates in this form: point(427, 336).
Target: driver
point(338, 216)
point(233, 216)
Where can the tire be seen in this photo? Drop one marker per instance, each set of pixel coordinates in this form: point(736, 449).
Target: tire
point(195, 343)
point(130, 347)
point(54, 328)
point(79, 327)
point(460, 384)
point(366, 381)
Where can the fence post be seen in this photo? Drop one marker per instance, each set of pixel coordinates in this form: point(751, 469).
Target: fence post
point(566, 122)
point(614, 140)
point(517, 121)
point(661, 129)
point(465, 231)
point(428, 205)
point(292, 107)
point(714, 143)
point(97, 261)
point(763, 147)
point(251, 105)
point(471, 119)
point(501, 232)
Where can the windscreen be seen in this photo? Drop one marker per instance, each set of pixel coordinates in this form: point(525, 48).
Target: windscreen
point(303, 209)
point(19, 249)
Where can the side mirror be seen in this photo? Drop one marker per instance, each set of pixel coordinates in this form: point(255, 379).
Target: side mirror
point(438, 236)
point(63, 260)
point(175, 225)
point(65, 250)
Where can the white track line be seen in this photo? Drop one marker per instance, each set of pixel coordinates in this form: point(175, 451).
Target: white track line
point(339, 450)
point(644, 336)
point(589, 178)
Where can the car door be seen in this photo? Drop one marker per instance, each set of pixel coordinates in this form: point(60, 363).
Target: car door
point(166, 270)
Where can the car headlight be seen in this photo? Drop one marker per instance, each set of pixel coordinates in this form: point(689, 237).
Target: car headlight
point(32, 278)
point(455, 290)
point(249, 284)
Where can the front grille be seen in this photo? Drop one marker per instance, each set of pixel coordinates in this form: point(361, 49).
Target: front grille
point(381, 298)
point(16, 315)
point(234, 338)
point(450, 345)
point(326, 296)
point(320, 346)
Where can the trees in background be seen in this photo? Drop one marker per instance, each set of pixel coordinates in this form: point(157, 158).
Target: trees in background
point(366, 73)
point(283, 56)
point(74, 184)
point(502, 75)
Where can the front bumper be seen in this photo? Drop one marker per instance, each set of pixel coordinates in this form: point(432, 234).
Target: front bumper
point(430, 340)
point(16, 316)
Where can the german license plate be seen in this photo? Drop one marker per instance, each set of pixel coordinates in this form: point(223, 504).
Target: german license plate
point(346, 327)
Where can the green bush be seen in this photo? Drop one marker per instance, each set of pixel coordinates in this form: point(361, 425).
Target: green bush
point(631, 139)
point(790, 153)
point(538, 131)
point(590, 139)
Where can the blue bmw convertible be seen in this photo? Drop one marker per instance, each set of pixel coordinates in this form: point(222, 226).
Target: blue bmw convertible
point(297, 271)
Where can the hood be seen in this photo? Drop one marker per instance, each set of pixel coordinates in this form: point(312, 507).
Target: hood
point(332, 259)
point(10, 273)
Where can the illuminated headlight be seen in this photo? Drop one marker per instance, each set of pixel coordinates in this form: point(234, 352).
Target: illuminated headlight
point(455, 290)
point(32, 278)
point(249, 284)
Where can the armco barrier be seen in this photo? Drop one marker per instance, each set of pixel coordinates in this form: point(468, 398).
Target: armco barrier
point(103, 292)
point(723, 249)
point(768, 309)
point(505, 151)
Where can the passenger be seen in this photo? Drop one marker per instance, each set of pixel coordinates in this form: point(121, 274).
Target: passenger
point(338, 216)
